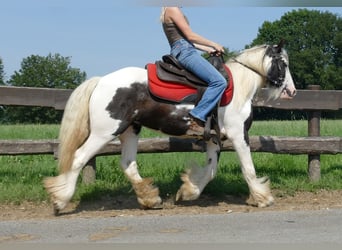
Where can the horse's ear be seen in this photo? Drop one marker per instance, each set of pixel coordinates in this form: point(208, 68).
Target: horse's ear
point(280, 45)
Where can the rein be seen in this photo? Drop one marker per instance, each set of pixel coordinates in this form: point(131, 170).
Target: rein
point(250, 68)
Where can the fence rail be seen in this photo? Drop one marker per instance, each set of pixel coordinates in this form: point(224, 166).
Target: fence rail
point(56, 98)
point(270, 144)
point(313, 101)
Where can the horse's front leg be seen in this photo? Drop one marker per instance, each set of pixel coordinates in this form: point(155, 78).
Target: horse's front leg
point(147, 193)
point(196, 178)
point(260, 192)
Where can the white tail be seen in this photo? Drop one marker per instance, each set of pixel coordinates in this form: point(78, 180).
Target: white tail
point(75, 123)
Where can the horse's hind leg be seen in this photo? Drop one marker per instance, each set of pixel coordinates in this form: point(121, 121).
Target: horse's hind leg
point(62, 187)
point(195, 179)
point(147, 194)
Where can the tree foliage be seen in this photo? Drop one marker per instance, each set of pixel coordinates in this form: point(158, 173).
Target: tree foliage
point(314, 43)
point(2, 82)
point(2, 73)
point(53, 71)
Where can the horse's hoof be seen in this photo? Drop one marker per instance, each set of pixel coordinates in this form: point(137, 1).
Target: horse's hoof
point(56, 211)
point(267, 202)
point(147, 194)
point(187, 193)
point(158, 205)
point(150, 202)
point(154, 207)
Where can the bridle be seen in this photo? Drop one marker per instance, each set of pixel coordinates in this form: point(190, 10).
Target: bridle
point(276, 82)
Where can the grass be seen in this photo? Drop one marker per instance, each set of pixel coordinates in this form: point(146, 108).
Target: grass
point(21, 176)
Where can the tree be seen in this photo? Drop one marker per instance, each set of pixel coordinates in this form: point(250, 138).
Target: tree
point(314, 43)
point(2, 73)
point(53, 71)
point(2, 82)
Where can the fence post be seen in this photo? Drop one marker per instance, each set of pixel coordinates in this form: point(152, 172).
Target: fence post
point(314, 117)
point(89, 172)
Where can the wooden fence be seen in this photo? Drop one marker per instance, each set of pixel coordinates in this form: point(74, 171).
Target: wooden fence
point(312, 101)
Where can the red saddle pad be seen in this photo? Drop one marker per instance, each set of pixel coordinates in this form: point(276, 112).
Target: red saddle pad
point(175, 92)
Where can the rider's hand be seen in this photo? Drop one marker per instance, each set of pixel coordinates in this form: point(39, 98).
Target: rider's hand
point(218, 49)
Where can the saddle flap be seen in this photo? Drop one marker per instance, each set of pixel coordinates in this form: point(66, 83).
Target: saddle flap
point(168, 68)
point(170, 59)
point(173, 73)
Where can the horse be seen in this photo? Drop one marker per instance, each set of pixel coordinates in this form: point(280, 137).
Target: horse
point(119, 104)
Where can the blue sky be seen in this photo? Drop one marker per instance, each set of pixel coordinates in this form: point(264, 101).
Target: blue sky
point(105, 35)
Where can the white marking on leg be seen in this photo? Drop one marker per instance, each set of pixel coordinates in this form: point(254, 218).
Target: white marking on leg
point(196, 179)
point(131, 171)
point(212, 161)
point(147, 193)
point(259, 189)
point(129, 142)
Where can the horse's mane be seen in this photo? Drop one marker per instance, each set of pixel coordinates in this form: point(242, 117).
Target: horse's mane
point(248, 50)
point(250, 58)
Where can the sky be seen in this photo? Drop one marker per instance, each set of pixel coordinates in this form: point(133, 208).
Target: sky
point(102, 36)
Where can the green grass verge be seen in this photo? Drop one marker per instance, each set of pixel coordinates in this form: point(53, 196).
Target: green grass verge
point(21, 176)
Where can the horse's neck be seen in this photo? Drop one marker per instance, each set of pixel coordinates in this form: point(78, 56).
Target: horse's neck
point(246, 80)
point(253, 58)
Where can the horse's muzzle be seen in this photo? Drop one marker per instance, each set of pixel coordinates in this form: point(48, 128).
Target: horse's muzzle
point(288, 93)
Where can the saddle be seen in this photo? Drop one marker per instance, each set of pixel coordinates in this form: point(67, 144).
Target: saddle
point(170, 70)
point(170, 82)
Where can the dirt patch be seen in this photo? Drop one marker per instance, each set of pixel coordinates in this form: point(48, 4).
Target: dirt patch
point(128, 206)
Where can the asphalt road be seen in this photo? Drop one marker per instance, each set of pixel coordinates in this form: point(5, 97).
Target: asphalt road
point(323, 226)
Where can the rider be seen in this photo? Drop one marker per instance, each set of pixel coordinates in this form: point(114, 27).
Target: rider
point(184, 42)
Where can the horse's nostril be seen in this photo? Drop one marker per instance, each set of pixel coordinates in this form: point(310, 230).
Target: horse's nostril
point(294, 93)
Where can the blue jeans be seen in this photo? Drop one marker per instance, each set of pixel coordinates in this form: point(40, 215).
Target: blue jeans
point(190, 59)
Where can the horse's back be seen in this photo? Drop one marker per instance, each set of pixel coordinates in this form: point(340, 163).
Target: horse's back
point(124, 77)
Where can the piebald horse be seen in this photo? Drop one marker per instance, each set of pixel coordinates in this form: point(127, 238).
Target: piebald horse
point(117, 105)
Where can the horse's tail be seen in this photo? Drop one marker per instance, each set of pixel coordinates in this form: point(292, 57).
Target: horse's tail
point(75, 123)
